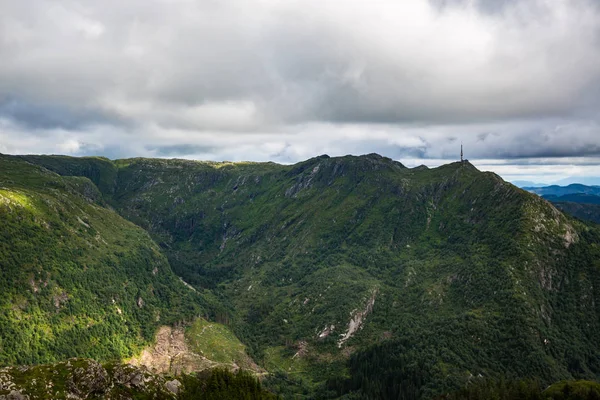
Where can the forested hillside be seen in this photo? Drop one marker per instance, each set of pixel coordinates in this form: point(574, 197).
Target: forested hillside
point(358, 277)
point(77, 280)
point(558, 191)
point(583, 211)
point(580, 201)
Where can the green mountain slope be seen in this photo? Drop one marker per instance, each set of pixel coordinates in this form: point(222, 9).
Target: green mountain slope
point(77, 279)
point(558, 191)
point(582, 198)
point(356, 274)
point(583, 211)
point(578, 200)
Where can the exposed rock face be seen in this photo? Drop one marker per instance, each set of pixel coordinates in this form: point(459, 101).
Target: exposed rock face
point(174, 354)
point(326, 332)
point(170, 354)
point(357, 319)
point(14, 395)
point(87, 379)
point(60, 299)
point(173, 386)
point(187, 285)
point(302, 183)
point(302, 347)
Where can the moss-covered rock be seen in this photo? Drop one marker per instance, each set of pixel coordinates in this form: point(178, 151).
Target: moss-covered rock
point(83, 379)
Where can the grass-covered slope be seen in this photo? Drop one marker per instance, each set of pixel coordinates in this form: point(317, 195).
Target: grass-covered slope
point(356, 274)
point(77, 280)
point(199, 346)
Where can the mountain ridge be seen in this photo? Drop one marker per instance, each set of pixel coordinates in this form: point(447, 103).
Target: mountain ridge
point(386, 257)
point(578, 200)
point(74, 269)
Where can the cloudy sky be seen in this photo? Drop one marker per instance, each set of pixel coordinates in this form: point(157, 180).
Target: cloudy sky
point(517, 81)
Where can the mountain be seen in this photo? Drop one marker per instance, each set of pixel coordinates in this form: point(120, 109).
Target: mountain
point(78, 280)
point(585, 180)
point(356, 277)
point(582, 198)
point(578, 200)
point(583, 211)
point(556, 190)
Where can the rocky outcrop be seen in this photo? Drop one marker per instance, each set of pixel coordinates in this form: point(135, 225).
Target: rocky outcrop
point(201, 346)
point(81, 379)
point(357, 319)
point(171, 354)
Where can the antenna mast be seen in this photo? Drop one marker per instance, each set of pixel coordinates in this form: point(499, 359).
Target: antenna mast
point(461, 153)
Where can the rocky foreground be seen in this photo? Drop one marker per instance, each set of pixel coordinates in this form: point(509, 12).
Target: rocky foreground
point(84, 379)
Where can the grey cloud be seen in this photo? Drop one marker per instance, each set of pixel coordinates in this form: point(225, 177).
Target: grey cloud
point(580, 161)
point(542, 139)
point(484, 135)
point(487, 6)
point(303, 62)
point(288, 80)
point(181, 150)
point(52, 116)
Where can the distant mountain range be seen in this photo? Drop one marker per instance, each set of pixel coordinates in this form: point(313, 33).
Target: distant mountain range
point(583, 198)
point(589, 181)
point(578, 200)
point(587, 212)
point(557, 191)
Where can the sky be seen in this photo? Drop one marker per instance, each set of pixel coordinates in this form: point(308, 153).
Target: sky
point(516, 81)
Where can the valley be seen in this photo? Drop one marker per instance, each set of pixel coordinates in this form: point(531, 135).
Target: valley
point(346, 277)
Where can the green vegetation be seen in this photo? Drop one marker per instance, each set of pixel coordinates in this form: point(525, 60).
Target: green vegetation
point(583, 211)
point(354, 277)
point(480, 389)
point(219, 384)
point(101, 171)
point(217, 343)
point(77, 279)
point(87, 379)
point(580, 201)
point(583, 198)
point(82, 378)
point(579, 390)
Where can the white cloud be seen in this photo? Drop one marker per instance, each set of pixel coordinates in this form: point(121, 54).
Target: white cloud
point(284, 81)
